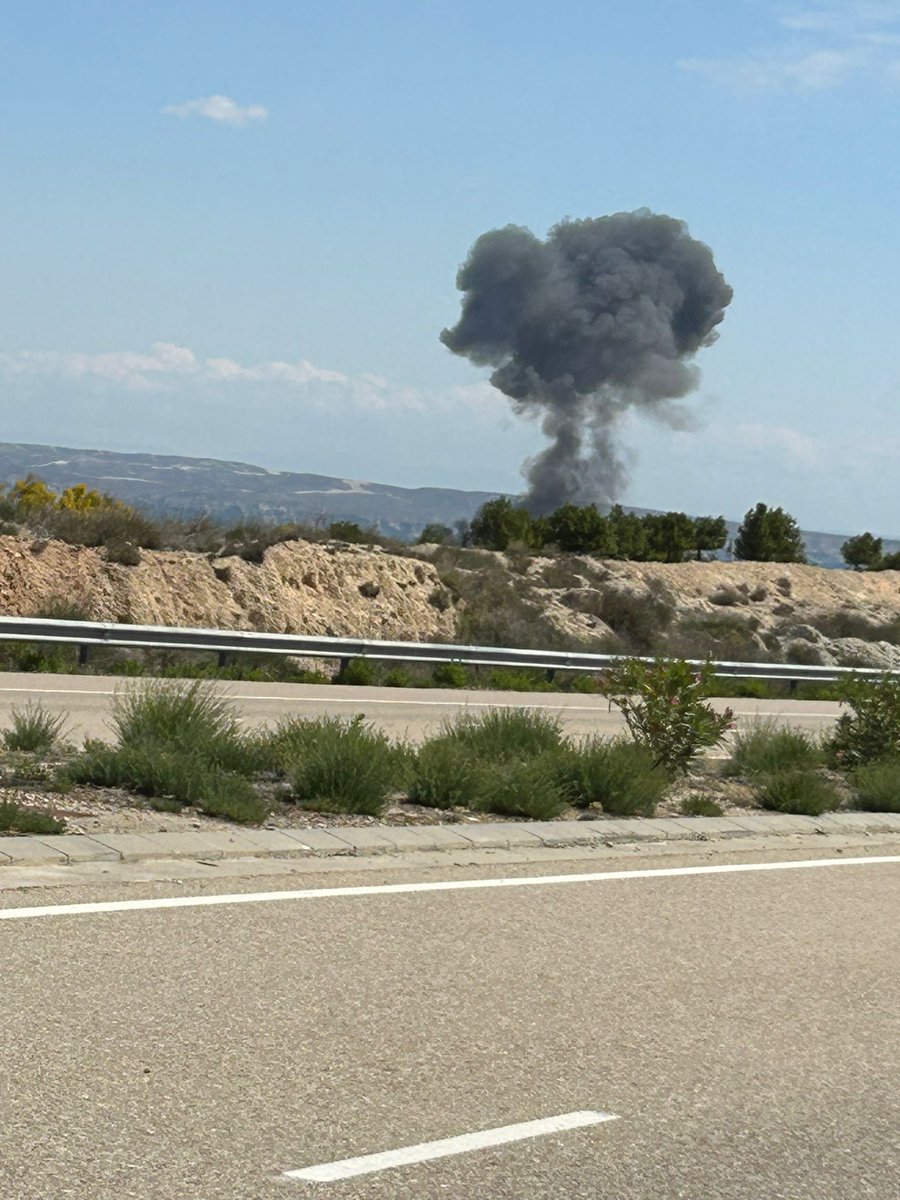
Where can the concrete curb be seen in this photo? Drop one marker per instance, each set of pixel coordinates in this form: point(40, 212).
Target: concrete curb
point(368, 840)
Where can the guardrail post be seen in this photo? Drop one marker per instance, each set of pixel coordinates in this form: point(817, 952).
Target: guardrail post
point(84, 652)
point(792, 685)
point(225, 658)
point(551, 674)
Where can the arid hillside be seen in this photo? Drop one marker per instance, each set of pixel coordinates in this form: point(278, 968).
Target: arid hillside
point(298, 588)
point(739, 611)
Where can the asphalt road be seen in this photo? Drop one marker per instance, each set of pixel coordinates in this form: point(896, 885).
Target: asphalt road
point(403, 712)
point(742, 1028)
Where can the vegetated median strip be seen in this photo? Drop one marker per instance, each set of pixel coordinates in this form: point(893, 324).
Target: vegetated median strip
point(397, 889)
point(366, 1164)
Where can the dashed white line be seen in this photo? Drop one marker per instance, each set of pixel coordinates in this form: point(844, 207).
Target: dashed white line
point(347, 1168)
point(447, 885)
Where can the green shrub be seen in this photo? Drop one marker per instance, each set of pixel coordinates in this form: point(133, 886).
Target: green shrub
point(397, 677)
point(343, 766)
point(511, 679)
point(14, 818)
point(799, 790)
point(125, 553)
point(446, 775)
point(639, 620)
point(701, 806)
point(664, 706)
point(871, 730)
point(878, 786)
point(30, 657)
point(766, 748)
point(148, 769)
point(192, 719)
point(232, 796)
point(103, 526)
point(752, 689)
point(587, 685)
point(501, 734)
point(451, 675)
point(358, 672)
point(170, 779)
point(620, 776)
point(527, 787)
point(34, 729)
point(349, 531)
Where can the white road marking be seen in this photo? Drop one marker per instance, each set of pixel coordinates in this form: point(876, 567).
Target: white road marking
point(347, 1168)
point(364, 701)
point(399, 889)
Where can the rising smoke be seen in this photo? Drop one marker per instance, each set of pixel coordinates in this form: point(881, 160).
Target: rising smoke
point(603, 316)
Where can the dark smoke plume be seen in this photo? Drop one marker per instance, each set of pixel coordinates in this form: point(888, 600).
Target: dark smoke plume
point(603, 316)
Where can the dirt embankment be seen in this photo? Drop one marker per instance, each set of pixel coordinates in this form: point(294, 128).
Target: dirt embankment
point(298, 588)
point(739, 611)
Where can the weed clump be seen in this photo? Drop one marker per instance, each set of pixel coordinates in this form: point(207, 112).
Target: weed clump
point(766, 748)
point(621, 777)
point(878, 786)
point(340, 766)
point(34, 729)
point(798, 790)
point(15, 818)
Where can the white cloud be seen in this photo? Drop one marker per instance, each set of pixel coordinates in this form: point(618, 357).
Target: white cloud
point(798, 449)
point(218, 108)
point(827, 44)
point(177, 370)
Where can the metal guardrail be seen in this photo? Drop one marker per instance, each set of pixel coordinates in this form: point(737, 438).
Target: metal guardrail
point(226, 642)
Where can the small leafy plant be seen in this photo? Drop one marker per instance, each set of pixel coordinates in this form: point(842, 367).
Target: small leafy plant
point(664, 706)
point(871, 730)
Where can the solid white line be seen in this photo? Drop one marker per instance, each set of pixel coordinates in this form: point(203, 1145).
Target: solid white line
point(399, 889)
point(364, 701)
point(347, 1168)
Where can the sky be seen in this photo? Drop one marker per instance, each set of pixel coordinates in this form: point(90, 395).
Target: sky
point(233, 230)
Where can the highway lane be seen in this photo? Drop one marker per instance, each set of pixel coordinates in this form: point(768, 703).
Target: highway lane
point(741, 1027)
point(403, 712)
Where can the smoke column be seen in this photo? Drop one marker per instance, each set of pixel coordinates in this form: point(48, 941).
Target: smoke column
point(604, 315)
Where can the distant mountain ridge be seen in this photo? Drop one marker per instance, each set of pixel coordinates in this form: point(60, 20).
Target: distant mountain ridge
point(233, 491)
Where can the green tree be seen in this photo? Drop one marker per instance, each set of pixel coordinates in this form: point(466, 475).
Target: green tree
point(670, 536)
point(349, 531)
point(710, 534)
point(629, 533)
point(862, 552)
point(769, 535)
point(435, 534)
point(581, 529)
point(499, 522)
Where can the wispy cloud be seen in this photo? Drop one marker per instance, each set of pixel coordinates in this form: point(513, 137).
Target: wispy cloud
point(218, 108)
point(795, 448)
point(170, 368)
point(827, 44)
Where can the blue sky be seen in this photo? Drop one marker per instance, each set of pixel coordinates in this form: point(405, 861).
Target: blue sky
point(234, 229)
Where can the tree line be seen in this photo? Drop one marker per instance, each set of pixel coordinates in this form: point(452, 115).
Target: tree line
point(765, 535)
